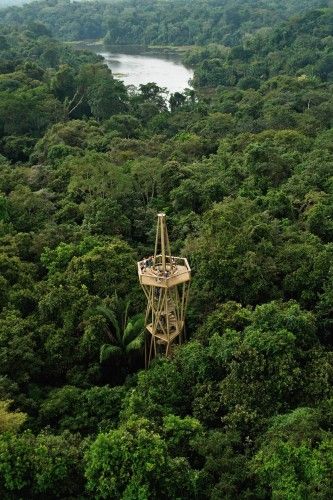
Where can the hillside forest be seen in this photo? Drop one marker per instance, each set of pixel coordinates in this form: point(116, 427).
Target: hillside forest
point(242, 164)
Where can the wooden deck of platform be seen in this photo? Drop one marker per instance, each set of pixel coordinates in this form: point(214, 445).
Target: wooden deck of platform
point(162, 336)
point(151, 278)
point(176, 273)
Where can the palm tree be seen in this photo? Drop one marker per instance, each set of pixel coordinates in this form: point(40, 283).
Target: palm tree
point(126, 335)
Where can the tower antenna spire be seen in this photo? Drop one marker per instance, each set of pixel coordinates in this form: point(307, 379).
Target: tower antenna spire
point(162, 240)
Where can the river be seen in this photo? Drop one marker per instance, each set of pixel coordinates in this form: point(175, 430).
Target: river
point(135, 66)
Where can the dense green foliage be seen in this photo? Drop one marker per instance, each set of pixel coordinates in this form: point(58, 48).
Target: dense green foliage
point(243, 166)
point(171, 22)
point(301, 47)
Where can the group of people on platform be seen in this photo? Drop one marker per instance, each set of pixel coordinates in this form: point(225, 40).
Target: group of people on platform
point(149, 264)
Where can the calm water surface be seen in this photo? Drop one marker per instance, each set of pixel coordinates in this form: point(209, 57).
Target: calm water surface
point(134, 66)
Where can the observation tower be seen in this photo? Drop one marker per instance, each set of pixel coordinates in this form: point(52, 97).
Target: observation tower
point(165, 280)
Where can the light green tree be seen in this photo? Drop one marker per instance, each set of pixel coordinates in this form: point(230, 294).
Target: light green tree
point(295, 459)
point(10, 420)
point(133, 462)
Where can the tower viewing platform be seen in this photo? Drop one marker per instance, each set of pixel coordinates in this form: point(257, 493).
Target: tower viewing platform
point(151, 271)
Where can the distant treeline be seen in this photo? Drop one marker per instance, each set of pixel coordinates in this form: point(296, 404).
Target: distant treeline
point(171, 22)
point(302, 46)
point(11, 3)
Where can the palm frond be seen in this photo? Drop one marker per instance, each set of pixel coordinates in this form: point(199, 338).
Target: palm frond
point(109, 351)
point(135, 344)
point(112, 320)
point(127, 305)
point(133, 329)
point(127, 332)
point(139, 321)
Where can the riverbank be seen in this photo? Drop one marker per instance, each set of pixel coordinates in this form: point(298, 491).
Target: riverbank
point(179, 50)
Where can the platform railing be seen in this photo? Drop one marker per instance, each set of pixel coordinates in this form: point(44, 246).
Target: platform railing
point(154, 264)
